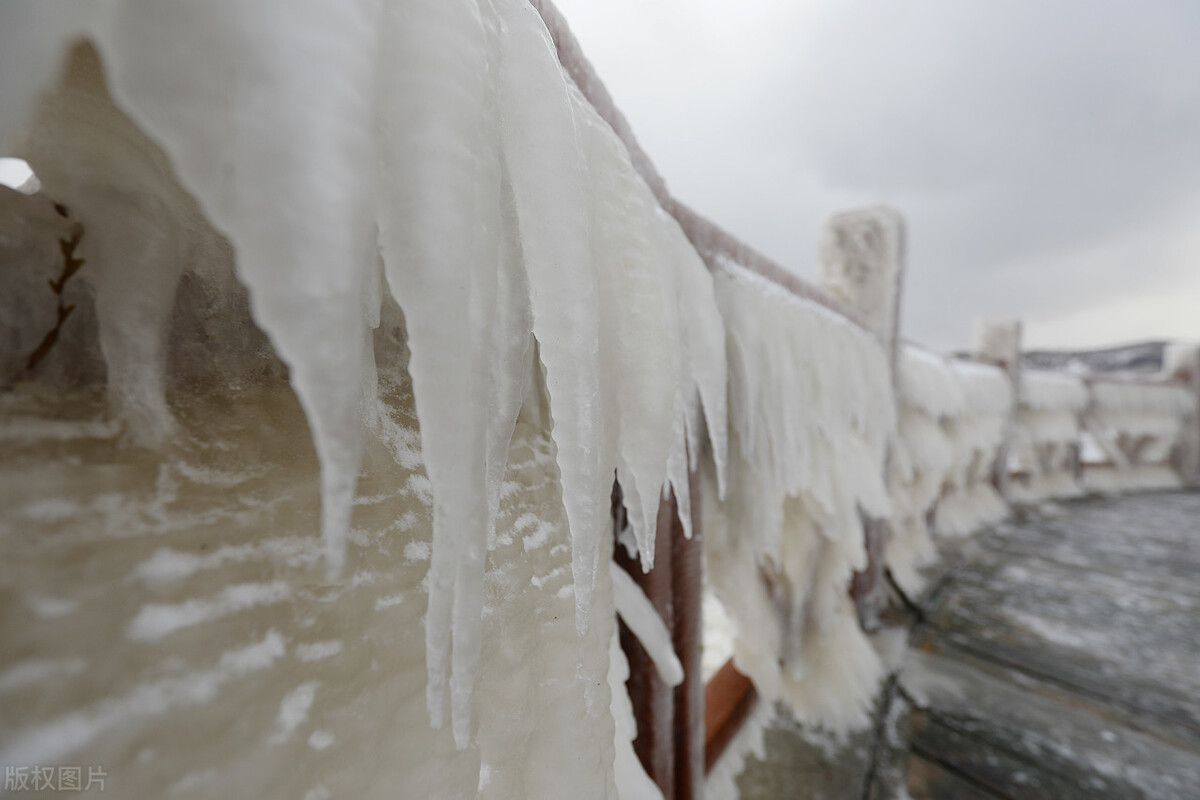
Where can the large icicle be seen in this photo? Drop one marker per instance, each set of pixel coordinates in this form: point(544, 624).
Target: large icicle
point(273, 135)
point(662, 351)
point(441, 228)
point(317, 136)
point(702, 337)
point(637, 349)
point(546, 162)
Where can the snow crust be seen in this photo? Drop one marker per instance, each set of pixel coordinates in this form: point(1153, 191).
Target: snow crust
point(811, 413)
point(431, 153)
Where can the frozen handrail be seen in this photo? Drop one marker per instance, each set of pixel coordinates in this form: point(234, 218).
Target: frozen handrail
point(706, 236)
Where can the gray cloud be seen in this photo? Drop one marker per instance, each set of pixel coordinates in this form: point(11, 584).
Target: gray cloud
point(1046, 154)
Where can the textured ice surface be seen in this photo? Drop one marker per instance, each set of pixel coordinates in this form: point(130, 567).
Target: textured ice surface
point(340, 157)
point(811, 413)
point(129, 543)
point(1138, 426)
point(643, 619)
point(976, 435)
point(929, 394)
point(1046, 436)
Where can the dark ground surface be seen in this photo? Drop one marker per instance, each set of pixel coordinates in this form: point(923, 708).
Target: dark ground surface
point(1059, 658)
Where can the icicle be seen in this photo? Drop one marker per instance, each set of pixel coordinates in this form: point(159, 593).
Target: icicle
point(545, 159)
point(299, 137)
point(702, 339)
point(811, 413)
point(636, 351)
point(642, 618)
point(441, 227)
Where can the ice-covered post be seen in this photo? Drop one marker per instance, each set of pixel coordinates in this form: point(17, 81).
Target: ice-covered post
point(860, 260)
point(670, 720)
point(998, 342)
point(1181, 361)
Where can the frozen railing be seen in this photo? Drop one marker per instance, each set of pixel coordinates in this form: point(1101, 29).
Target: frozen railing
point(971, 497)
point(1137, 429)
point(848, 453)
point(1044, 460)
point(969, 437)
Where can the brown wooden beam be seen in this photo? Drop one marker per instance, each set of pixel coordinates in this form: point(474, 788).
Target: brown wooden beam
point(729, 698)
point(653, 701)
point(687, 579)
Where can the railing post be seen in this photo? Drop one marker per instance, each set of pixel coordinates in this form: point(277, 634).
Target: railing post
point(998, 342)
point(861, 260)
point(687, 578)
point(653, 701)
point(670, 721)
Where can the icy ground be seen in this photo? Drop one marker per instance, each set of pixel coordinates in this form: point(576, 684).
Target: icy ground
point(1058, 661)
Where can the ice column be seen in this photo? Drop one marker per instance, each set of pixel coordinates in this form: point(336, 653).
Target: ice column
point(860, 260)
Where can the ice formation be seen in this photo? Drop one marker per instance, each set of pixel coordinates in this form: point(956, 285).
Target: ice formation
point(1045, 443)
point(643, 619)
point(977, 433)
point(429, 151)
point(407, 211)
point(1181, 362)
point(811, 412)
point(929, 395)
point(1138, 424)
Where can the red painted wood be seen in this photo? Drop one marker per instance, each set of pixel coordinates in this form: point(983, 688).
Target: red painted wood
point(687, 574)
point(729, 698)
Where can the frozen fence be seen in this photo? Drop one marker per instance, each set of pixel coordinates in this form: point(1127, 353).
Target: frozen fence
point(1044, 461)
point(379, 373)
point(1141, 432)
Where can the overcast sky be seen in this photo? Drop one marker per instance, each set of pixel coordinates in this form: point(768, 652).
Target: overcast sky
point(1046, 153)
